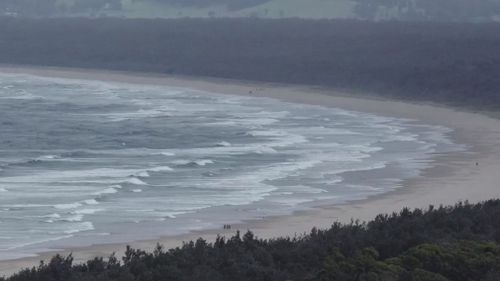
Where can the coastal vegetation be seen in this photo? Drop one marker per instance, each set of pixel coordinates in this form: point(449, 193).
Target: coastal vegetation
point(405, 10)
point(452, 63)
point(456, 243)
point(429, 56)
point(429, 10)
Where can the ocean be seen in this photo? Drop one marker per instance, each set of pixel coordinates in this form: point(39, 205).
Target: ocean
point(88, 162)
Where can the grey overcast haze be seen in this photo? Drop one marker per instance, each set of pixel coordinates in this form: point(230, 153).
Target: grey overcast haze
point(352, 140)
point(411, 10)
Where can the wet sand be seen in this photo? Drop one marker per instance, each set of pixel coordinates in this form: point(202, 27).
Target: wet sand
point(454, 177)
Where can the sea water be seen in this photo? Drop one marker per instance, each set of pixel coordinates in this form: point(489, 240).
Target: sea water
point(85, 162)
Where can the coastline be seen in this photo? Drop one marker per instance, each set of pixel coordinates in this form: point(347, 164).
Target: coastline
point(454, 176)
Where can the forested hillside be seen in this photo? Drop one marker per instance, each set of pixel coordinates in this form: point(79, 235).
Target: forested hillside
point(429, 10)
point(233, 4)
point(457, 243)
point(178, 8)
point(449, 63)
point(43, 8)
point(407, 10)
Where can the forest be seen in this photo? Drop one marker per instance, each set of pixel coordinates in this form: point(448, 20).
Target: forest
point(57, 8)
point(455, 243)
point(232, 4)
point(451, 63)
point(405, 10)
point(47, 8)
point(429, 10)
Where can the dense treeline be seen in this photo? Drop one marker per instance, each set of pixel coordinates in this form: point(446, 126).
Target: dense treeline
point(409, 10)
point(446, 243)
point(441, 62)
point(429, 10)
point(48, 8)
point(28, 7)
point(231, 4)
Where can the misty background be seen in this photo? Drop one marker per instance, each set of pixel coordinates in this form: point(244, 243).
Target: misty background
point(443, 51)
point(409, 10)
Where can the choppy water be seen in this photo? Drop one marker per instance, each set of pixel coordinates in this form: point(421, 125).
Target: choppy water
point(86, 162)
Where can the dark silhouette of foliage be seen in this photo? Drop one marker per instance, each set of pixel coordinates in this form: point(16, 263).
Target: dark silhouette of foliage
point(449, 63)
point(429, 10)
point(231, 4)
point(458, 243)
point(44, 8)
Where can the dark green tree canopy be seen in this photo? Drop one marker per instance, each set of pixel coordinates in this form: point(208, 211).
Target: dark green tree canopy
point(458, 243)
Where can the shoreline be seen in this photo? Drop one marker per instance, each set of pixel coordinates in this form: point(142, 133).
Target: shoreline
point(454, 177)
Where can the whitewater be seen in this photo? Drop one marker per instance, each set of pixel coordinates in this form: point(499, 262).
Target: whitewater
point(85, 162)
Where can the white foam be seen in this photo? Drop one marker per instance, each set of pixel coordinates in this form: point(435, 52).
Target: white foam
point(23, 95)
point(84, 226)
point(161, 169)
point(135, 181)
point(363, 187)
point(373, 166)
point(200, 162)
point(246, 122)
point(3, 189)
point(311, 152)
point(91, 202)
point(289, 190)
point(223, 144)
point(26, 206)
point(267, 133)
point(108, 190)
point(404, 137)
point(32, 242)
point(103, 175)
point(265, 150)
point(292, 201)
point(280, 138)
point(67, 206)
point(48, 157)
point(170, 215)
point(251, 187)
point(203, 162)
point(52, 216)
point(181, 162)
point(326, 131)
point(141, 113)
point(143, 174)
point(87, 211)
point(73, 218)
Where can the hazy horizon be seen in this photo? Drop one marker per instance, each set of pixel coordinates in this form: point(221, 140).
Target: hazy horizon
point(416, 10)
point(138, 137)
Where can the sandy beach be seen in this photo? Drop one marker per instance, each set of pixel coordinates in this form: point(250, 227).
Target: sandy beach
point(468, 175)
